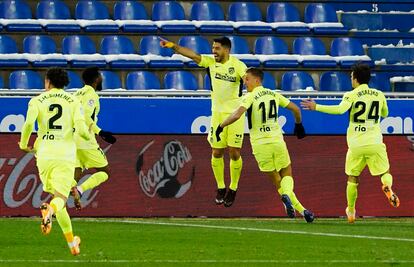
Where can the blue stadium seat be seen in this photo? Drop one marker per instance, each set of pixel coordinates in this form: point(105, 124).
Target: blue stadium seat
point(309, 46)
point(141, 80)
point(206, 10)
point(55, 9)
point(75, 80)
point(335, 81)
point(294, 80)
point(133, 10)
point(239, 46)
point(151, 45)
point(171, 10)
point(94, 10)
point(18, 9)
point(270, 45)
point(80, 44)
point(2, 85)
point(345, 46)
point(42, 44)
point(207, 82)
point(182, 80)
point(322, 13)
point(8, 46)
point(269, 81)
point(197, 43)
point(110, 80)
point(115, 45)
point(25, 79)
point(246, 11)
point(285, 12)
point(380, 81)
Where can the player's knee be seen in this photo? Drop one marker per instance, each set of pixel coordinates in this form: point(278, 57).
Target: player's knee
point(105, 169)
point(234, 153)
point(353, 179)
point(217, 153)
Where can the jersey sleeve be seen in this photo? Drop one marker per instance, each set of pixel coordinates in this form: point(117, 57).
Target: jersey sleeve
point(283, 101)
point(206, 61)
point(79, 121)
point(32, 113)
point(241, 68)
point(247, 100)
point(90, 108)
point(345, 104)
point(384, 110)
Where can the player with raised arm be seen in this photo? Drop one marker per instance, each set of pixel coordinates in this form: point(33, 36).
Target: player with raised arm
point(89, 154)
point(57, 113)
point(266, 137)
point(364, 138)
point(226, 74)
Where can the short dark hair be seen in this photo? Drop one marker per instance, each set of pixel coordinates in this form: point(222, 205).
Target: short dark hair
point(89, 75)
point(256, 73)
point(361, 72)
point(224, 41)
point(58, 77)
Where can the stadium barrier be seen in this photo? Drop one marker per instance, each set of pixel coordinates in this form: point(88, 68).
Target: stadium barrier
point(170, 175)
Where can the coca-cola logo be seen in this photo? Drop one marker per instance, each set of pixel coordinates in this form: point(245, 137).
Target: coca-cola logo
point(162, 177)
point(21, 189)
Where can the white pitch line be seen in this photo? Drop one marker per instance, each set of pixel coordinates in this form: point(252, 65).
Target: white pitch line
point(204, 261)
point(256, 230)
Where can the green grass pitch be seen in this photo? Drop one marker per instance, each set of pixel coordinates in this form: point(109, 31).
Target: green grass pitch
point(211, 242)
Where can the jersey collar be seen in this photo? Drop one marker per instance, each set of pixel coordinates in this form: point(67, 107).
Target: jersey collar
point(362, 87)
point(88, 88)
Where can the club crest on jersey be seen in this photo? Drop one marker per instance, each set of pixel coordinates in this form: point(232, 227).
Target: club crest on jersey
point(91, 102)
point(231, 70)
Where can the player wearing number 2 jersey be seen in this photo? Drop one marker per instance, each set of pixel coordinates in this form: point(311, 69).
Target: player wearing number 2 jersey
point(266, 137)
point(365, 146)
point(59, 117)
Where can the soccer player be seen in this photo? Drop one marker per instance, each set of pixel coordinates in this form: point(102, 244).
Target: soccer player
point(226, 73)
point(57, 114)
point(364, 137)
point(266, 137)
point(89, 154)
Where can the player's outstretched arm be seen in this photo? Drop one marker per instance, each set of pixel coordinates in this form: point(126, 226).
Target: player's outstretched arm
point(299, 130)
point(27, 128)
point(187, 52)
point(309, 104)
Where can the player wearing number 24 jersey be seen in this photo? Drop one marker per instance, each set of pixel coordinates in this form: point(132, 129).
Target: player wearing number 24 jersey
point(365, 145)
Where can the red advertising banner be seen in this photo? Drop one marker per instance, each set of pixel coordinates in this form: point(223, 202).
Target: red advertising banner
point(170, 175)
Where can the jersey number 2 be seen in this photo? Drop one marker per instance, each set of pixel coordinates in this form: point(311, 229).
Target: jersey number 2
point(54, 118)
point(373, 113)
point(272, 111)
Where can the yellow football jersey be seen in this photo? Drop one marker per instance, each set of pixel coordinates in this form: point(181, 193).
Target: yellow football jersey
point(262, 112)
point(366, 106)
point(58, 113)
point(226, 82)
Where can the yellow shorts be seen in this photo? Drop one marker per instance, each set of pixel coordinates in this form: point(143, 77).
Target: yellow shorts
point(232, 135)
point(90, 158)
point(375, 156)
point(271, 157)
point(56, 176)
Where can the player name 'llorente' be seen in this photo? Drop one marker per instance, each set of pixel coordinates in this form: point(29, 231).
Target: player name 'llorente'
point(263, 93)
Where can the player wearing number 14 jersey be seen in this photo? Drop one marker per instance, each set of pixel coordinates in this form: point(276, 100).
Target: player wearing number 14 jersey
point(365, 146)
point(266, 137)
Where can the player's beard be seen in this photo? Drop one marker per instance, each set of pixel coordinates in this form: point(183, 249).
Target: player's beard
point(99, 87)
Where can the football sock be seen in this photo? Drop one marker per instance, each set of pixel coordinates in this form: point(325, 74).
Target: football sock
point(57, 204)
point(287, 188)
point(217, 164)
point(386, 179)
point(351, 195)
point(235, 172)
point(63, 219)
point(94, 180)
